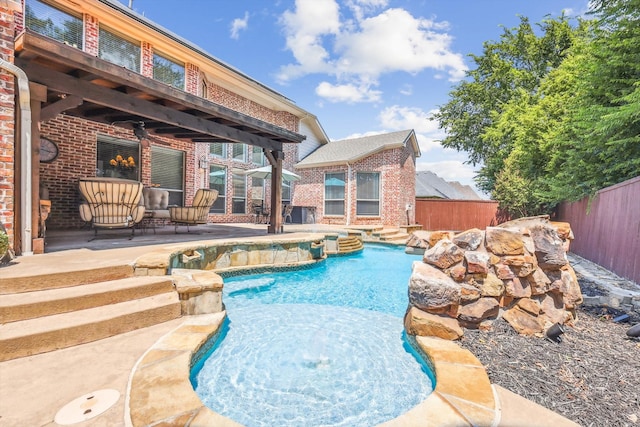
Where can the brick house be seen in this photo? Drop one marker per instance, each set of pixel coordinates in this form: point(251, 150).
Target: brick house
point(361, 181)
point(84, 82)
point(105, 81)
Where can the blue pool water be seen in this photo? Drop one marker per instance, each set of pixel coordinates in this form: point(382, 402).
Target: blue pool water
point(322, 346)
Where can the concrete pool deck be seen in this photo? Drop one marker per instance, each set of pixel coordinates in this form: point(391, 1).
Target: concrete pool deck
point(34, 388)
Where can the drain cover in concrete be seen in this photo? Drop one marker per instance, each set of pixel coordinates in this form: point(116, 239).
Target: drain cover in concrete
point(86, 407)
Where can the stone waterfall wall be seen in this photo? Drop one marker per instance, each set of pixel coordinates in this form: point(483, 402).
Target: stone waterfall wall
point(518, 271)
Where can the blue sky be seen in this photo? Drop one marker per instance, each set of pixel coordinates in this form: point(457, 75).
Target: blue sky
point(361, 66)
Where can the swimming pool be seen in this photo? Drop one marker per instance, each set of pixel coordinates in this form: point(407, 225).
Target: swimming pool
point(319, 346)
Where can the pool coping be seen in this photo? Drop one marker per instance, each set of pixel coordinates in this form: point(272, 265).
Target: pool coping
point(159, 391)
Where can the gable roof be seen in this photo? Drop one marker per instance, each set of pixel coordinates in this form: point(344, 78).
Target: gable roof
point(430, 185)
point(346, 151)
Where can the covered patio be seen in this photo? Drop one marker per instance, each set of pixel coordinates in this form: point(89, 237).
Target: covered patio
point(67, 82)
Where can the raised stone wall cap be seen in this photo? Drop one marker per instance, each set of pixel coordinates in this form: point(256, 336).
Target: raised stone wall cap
point(504, 241)
point(194, 281)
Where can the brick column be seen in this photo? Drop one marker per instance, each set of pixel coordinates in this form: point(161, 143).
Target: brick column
point(147, 60)
point(192, 79)
point(91, 34)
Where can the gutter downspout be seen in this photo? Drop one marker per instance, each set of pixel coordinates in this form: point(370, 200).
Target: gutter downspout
point(24, 98)
point(348, 194)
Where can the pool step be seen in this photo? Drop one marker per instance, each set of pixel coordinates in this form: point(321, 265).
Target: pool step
point(391, 235)
point(349, 244)
point(31, 305)
point(52, 332)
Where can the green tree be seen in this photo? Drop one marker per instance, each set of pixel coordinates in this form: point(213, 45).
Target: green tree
point(601, 145)
point(506, 75)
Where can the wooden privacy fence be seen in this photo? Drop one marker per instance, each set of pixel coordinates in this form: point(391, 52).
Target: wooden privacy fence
point(456, 215)
point(608, 231)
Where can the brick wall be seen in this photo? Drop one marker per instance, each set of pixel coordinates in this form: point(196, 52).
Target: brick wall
point(77, 140)
point(397, 180)
point(7, 124)
point(91, 34)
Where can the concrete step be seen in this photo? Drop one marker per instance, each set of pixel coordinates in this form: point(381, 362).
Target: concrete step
point(43, 334)
point(30, 305)
point(394, 237)
point(37, 280)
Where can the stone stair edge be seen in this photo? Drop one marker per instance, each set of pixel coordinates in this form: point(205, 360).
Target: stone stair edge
point(84, 317)
point(39, 303)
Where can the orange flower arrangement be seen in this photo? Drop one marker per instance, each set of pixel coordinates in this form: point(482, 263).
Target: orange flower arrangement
point(120, 161)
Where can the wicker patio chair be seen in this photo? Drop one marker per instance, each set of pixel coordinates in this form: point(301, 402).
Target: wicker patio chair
point(197, 213)
point(111, 203)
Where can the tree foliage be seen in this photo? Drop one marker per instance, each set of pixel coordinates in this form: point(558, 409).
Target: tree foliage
point(555, 115)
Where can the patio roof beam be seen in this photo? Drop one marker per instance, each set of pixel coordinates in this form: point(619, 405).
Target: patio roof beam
point(64, 83)
point(65, 103)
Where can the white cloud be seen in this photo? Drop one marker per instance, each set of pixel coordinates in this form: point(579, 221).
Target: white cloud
point(238, 25)
point(348, 93)
point(399, 118)
point(357, 50)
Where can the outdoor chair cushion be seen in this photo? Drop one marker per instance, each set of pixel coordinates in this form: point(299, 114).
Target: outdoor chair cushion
point(111, 202)
point(198, 212)
point(157, 202)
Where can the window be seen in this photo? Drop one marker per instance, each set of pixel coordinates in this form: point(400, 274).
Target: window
point(368, 194)
point(167, 172)
point(204, 89)
point(257, 192)
point(218, 181)
point(218, 149)
point(240, 152)
point(167, 71)
point(118, 50)
point(257, 156)
point(334, 193)
point(53, 22)
point(239, 201)
point(286, 192)
point(117, 158)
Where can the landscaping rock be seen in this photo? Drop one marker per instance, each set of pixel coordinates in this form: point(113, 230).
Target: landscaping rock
point(419, 239)
point(418, 322)
point(469, 240)
point(444, 254)
point(521, 267)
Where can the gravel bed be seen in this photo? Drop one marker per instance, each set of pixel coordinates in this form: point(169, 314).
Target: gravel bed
point(592, 377)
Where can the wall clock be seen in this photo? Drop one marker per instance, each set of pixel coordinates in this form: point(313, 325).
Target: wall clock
point(48, 150)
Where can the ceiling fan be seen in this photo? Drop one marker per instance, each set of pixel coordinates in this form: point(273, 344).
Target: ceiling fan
point(140, 132)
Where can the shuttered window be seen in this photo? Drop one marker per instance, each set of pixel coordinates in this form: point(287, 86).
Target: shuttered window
point(167, 172)
point(218, 181)
point(368, 194)
point(55, 23)
point(119, 50)
point(239, 205)
point(334, 193)
point(218, 149)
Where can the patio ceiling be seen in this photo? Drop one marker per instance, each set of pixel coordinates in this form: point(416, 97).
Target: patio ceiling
point(83, 85)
